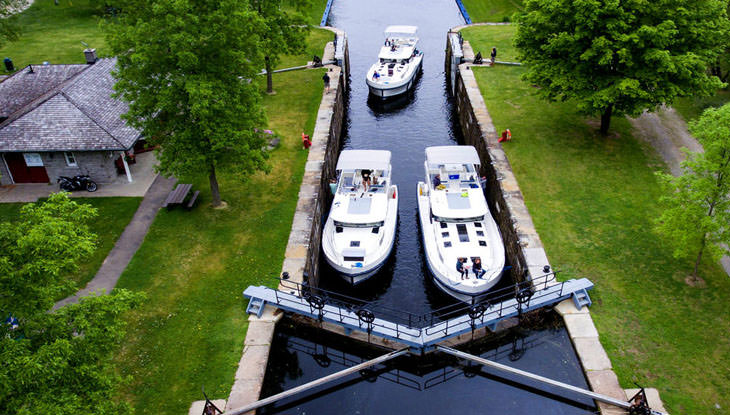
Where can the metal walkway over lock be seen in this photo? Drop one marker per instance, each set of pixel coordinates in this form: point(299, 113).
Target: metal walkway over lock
point(420, 332)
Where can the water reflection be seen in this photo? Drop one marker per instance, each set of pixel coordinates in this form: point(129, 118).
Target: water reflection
point(432, 384)
point(405, 126)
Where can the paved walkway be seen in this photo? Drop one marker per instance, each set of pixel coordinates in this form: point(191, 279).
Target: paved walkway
point(667, 132)
point(130, 240)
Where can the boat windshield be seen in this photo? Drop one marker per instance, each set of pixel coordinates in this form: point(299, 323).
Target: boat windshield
point(359, 225)
point(458, 220)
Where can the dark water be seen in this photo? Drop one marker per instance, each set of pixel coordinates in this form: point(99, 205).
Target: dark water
point(434, 384)
point(405, 127)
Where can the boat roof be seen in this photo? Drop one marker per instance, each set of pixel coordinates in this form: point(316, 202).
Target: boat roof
point(364, 159)
point(402, 52)
point(401, 30)
point(452, 155)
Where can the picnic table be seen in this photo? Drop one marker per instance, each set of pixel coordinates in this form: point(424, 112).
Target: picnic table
point(177, 196)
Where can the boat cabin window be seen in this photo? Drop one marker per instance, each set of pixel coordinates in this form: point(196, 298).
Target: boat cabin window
point(359, 225)
point(458, 220)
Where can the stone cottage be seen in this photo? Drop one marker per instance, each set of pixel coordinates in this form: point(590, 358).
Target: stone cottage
point(61, 120)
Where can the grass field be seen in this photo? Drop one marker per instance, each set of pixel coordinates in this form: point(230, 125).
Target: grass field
point(691, 108)
point(492, 10)
point(593, 200)
point(54, 33)
point(114, 213)
point(194, 266)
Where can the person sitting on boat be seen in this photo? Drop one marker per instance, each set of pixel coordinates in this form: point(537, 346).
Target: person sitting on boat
point(387, 42)
point(477, 268)
point(365, 179)
point(393, 47)
point(376, 76)
point(436, 181)
point(461, 268)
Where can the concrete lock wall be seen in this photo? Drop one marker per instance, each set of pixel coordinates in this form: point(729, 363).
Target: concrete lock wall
point(302, 251)
point(521, 240)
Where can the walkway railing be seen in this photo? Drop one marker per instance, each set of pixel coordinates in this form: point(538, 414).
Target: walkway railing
point(421, 331)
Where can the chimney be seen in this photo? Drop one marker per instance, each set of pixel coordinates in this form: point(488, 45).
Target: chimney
point(90, 55)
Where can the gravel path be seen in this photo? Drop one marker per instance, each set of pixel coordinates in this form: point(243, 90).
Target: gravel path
point(667, 132)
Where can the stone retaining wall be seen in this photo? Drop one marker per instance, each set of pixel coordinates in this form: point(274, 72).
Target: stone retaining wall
point(522, 243)
point(302, 251)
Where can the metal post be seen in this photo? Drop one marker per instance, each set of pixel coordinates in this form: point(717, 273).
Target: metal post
point(574, 389)
point(126, 166)
point(315, 383)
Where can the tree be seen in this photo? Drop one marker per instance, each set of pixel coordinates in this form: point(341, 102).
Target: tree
point(283, 33)
point(37, 251)
point(697, 203)
point(721, 66)
point(8, 10)
point(621, 56)
point(185, 67)
point(55, 362)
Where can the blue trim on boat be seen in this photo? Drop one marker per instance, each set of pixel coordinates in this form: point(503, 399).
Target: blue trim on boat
point(464, 14)
point(326, 13)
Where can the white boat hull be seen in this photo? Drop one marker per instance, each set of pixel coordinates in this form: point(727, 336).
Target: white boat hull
point(388, 88)
point(468, 290)
point(356, 272)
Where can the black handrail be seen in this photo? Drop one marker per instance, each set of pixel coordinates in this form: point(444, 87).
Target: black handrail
point(408, 322)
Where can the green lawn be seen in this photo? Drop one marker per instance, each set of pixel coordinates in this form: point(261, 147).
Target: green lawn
point(691, 108)
point(593, 200)
point(317, 38)
point(114, 215)
point(54, 33)
point(314, 13)
point(195, 265)
point(492, 10)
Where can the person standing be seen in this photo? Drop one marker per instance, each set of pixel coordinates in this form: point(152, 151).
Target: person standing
point(326, 79)
point(493, 55)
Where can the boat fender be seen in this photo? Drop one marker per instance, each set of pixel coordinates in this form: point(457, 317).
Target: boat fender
point(394, 193)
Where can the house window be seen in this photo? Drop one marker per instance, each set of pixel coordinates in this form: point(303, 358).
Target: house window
point(33, 160)
point(70, 159)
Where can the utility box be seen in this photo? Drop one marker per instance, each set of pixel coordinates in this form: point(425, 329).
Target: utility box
point(90, 55)
point(9, 64)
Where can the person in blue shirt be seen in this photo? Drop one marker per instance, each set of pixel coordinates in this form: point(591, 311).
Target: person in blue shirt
point(460, 267)
point(477, 268)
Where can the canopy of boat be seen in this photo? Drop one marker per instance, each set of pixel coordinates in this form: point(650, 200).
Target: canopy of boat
point(401, 31)
point(452, 155)
point(364, 159)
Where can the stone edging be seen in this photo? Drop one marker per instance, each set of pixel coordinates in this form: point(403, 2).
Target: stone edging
point(252, 366)
point(583, 334)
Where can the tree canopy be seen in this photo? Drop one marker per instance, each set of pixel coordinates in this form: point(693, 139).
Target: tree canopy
point(284, 32)
point(185, 67)
point(55, 361)
point(697, 203)
point(621, 56)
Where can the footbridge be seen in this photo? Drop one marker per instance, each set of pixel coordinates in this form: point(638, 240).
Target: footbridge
point(420, 333)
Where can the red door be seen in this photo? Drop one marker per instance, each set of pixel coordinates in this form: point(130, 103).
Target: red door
point(22, 173)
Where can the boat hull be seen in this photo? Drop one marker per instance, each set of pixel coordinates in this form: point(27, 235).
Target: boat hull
point(357, 275)
point(393, 89)
point(466, 290)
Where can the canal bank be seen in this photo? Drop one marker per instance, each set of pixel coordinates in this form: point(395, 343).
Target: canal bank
point(302, 251)
point(509, 207)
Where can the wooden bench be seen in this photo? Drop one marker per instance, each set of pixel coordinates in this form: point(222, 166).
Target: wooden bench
point(177, 196)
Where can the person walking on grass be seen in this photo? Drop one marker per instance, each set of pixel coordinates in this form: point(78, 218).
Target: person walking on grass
point(493, 55)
